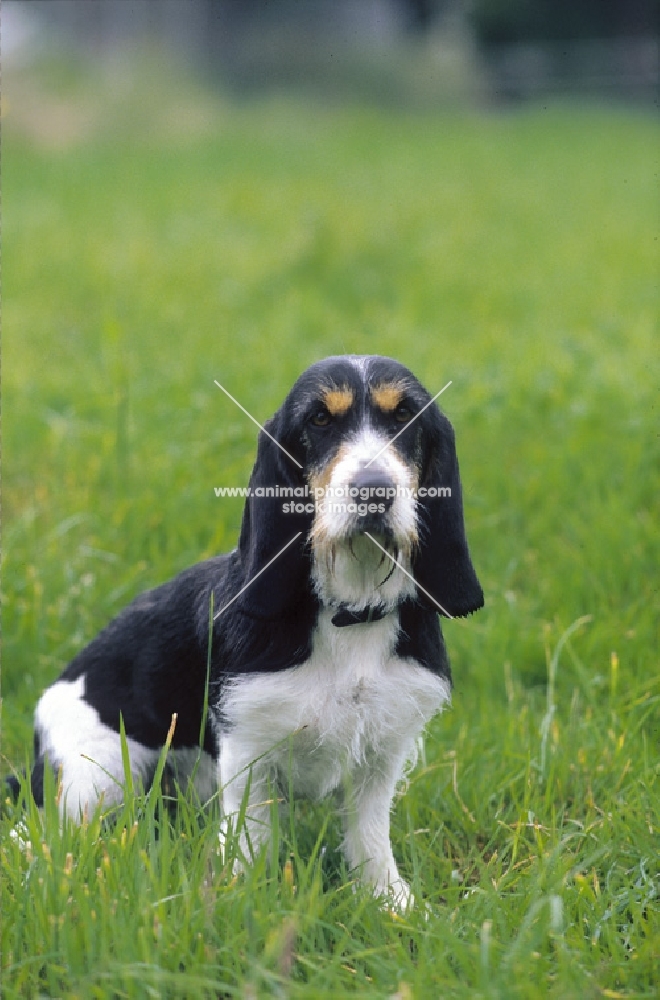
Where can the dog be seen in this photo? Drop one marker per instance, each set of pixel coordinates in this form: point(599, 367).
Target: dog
point(326, 656)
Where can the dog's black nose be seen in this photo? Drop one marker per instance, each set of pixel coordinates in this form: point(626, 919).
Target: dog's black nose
point(374, 486)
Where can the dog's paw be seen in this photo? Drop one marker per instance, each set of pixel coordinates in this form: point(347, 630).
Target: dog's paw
point(20, 834)
point(395, 895)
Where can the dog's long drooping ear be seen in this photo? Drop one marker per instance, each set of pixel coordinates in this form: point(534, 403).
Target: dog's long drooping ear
point(266, 531)
point(443, 565)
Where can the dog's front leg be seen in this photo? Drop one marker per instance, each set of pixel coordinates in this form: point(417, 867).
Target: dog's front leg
point(246, 791)
point(367, 846)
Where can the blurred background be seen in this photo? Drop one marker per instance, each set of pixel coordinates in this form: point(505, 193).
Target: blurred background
point(396, 51)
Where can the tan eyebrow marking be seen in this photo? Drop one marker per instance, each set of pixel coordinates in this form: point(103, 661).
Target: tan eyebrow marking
point(338, 401)
point(387, 396)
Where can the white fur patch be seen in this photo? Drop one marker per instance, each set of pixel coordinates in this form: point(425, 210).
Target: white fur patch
point(349, 717)
point(87, 753)
point(351, 702)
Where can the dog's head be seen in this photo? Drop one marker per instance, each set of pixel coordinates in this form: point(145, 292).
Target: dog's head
point(360, 468)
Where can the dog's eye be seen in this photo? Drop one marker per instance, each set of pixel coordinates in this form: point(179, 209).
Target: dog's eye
point(403, 413)
point(321, 417)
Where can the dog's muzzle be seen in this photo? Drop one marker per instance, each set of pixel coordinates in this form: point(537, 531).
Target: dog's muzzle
point(373, 488)
point(381, 487)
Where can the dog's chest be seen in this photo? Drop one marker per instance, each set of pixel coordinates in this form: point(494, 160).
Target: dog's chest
point(352, 703)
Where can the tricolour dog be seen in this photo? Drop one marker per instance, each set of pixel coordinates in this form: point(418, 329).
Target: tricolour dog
point(326, 660)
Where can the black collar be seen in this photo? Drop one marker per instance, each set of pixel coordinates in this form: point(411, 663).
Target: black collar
point(344, 617)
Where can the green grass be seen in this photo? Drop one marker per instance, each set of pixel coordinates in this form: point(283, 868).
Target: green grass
point(515, 254)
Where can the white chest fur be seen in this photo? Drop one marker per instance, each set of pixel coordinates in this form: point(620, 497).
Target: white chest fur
point(354, 704)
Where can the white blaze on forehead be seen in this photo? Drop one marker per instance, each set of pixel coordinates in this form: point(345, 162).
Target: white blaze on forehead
point(360, 361)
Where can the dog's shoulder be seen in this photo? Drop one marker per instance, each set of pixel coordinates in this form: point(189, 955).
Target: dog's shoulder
point(248, 644)
point(420, 638)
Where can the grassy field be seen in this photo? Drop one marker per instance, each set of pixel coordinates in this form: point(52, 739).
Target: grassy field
point(156, 239)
